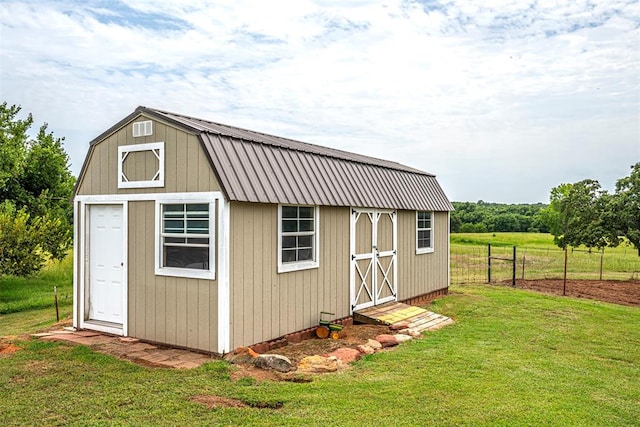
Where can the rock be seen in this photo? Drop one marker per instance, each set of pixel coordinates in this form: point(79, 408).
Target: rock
point(375, 345)
point(365, 349)
point(318, 364)
point(273, 361)
point(412, 332)
point(346, 354)
point(402, 337)
point(241, 355)
point(399, 325)
point(387, 340)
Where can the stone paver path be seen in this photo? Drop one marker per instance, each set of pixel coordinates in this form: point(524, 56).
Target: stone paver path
point(129, 348)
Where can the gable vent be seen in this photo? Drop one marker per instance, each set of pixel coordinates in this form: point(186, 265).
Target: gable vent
point(142, 128)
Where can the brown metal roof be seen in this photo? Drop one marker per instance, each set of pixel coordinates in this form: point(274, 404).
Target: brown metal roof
point(256, 167)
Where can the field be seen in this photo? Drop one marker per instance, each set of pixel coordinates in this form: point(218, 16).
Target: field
point(536, 258)
point(512, 357)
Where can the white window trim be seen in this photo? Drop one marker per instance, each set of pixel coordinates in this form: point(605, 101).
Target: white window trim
point(300, 265)
point(429, 249)
point(157, 149)
point(185, 272)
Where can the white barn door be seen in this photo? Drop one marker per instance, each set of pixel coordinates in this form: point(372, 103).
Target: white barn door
point(373, 251)
point(106, 263)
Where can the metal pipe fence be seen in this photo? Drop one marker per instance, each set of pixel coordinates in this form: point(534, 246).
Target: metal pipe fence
point(469, 264)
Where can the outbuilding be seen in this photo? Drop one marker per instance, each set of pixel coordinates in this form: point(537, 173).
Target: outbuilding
point(207, 236)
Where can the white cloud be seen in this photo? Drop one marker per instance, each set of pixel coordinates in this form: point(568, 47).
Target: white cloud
point(501, 99)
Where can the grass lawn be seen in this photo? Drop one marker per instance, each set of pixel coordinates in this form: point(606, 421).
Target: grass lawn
point(18, 294)
point(512, 358)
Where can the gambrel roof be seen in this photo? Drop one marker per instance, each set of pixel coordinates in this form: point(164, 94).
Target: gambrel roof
point(256, 167)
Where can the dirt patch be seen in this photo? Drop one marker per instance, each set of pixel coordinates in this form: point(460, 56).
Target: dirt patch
point(617, 292)
point(8, 348)
point(218, 401)
point(241, 372)
point(212, 402)
point(350, 336)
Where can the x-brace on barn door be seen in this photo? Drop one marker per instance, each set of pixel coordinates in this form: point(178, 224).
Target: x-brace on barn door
point(373, 251)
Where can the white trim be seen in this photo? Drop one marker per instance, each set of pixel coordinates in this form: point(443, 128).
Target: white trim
point(448, 249)
point(83, 285)
point(224, 299)
point(300, 265)
point(125, 269)
point(190, 273)
point(123, 152)
point(427, 250)
point(181, 197)
point(76, 323)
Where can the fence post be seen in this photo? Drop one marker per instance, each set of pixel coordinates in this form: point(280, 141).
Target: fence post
point(601, 261)
point(489, 263)
point(513, 279)
point(564, 280)
point(524, 257)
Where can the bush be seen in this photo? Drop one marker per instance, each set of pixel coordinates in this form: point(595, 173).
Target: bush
point(25, 242)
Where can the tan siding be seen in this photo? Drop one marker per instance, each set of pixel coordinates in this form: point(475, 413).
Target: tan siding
point(420, 274)
point(186, 165)
point(171, 310)
point(265, 304)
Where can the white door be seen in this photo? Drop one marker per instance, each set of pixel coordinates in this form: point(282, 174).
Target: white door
point(373, 257)
point(106, 263)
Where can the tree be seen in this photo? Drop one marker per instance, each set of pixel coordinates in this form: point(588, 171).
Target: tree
point(555, 216)
point(576, 215)
point(625, 207)
point(36, 186)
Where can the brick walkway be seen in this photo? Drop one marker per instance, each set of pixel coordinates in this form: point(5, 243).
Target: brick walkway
point(129, 348)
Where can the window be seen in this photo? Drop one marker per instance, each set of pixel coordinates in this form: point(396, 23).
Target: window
point(424, 232)
point(142, 128)
point(297, 238)
point(185, 240)
point(141, 165)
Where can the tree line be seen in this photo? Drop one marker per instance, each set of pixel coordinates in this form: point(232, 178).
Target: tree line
point(484, 217)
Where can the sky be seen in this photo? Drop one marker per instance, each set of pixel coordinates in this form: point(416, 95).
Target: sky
point(501, 99)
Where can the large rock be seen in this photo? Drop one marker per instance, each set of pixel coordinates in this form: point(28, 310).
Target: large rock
point(318, 364)
point(412, 332)
point(241, 355)
point(273, 361)
point(387, 340)
point(402, 337)
point(347, 355)
point(365, 349)
point(399, 325)
point(375, 345)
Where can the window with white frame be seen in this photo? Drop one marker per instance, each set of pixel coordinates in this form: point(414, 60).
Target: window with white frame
point(424, 232)
point(297, 238)
point(141, 165)
point(186, 240)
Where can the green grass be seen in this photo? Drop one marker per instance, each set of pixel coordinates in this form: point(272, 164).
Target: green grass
point(543, 259)
point(532, 240)
point(512, 358)
point(18, 294)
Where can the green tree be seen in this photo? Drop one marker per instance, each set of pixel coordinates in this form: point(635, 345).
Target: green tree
point(625, 207)
point(576, 215)
point(35, 186)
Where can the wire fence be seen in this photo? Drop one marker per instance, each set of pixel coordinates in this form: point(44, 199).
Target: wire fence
point(469, 264)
